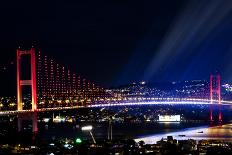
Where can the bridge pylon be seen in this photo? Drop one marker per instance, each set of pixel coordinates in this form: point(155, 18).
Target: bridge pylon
point(215, 95)
point(31, 82)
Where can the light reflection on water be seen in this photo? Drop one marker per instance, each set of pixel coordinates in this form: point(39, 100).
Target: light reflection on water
point(223, 132)
point(120, 130)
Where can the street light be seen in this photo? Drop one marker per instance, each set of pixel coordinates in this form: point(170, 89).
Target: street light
point(110, 128)
point(89, 128)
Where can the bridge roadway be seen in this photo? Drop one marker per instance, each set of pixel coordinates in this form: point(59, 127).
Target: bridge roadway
point(168, 101)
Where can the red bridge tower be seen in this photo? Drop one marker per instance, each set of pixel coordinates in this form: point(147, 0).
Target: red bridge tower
point(215, 94)
point(32, 82)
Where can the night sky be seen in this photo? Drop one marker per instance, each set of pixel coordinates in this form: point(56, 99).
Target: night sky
point(118, 42)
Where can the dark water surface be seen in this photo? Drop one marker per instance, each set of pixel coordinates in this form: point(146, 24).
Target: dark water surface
point(120, 130)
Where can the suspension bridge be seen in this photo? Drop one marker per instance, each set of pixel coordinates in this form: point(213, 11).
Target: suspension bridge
point(55, 87)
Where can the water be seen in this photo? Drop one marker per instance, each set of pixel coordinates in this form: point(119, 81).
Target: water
point(150, 132)
point(120, 130)
point(222, 132)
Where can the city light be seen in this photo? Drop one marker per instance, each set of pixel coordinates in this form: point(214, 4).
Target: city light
point(169, 118)
point(87, 128)
point(78, 141)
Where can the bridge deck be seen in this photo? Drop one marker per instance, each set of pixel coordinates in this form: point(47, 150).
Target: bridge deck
point(187, 102)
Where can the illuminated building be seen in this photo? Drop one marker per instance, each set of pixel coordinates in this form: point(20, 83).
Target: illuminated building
point(169, 118)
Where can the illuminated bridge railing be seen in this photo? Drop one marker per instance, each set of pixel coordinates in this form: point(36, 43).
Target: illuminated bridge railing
point(161, 99)
point(170, 101)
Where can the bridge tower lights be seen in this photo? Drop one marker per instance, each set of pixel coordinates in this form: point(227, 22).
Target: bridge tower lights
point(215, 89)
point(32, 82)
